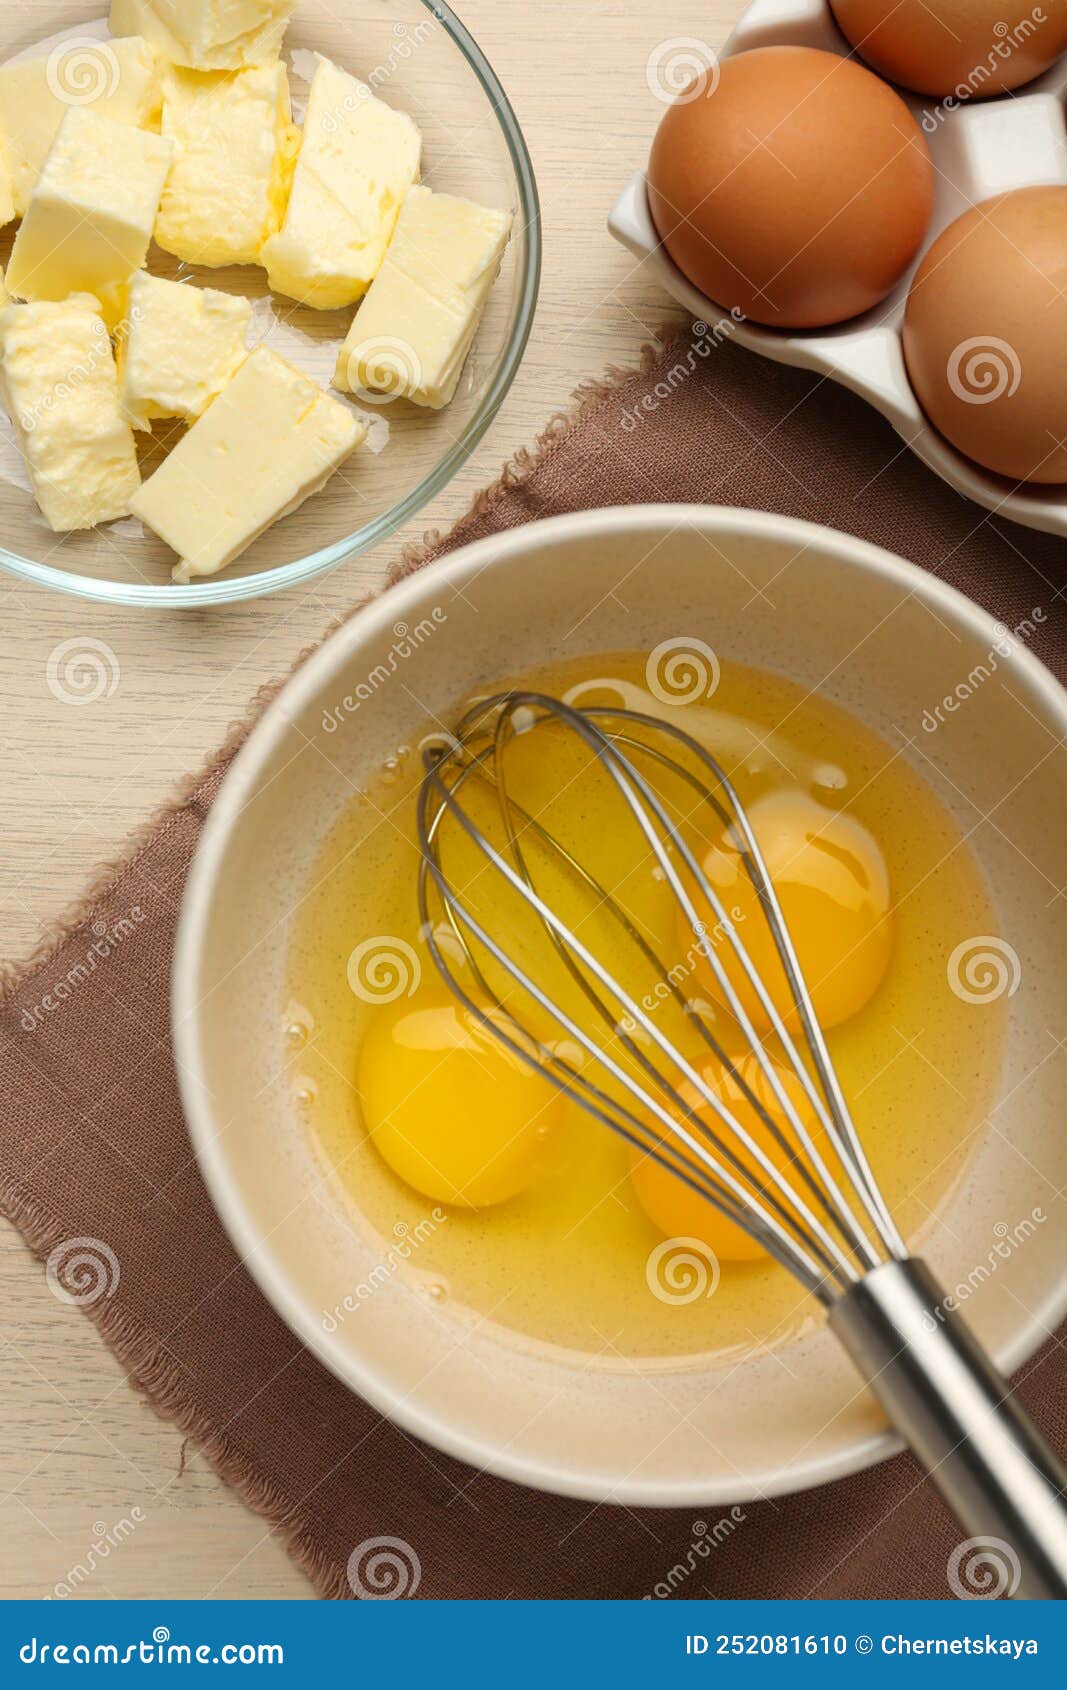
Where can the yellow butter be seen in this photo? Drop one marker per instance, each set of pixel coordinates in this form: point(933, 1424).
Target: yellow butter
point(7, 191)
point(270, 440)
point(358, 158)
point(413, 331)
point(89, 222)
point(60, 388)
point(114, 305)
point(234, 144)
point(207, 34)
point(179, 348)
point(116, 79)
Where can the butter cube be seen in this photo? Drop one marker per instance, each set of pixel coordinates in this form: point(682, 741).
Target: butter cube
point(116, 79)
point(89, 221)
point(357, 161)
point(413, 331)
point(270, 440)
point(181, 346)
point(234, 144)
point(60, 389)
point(207, 34)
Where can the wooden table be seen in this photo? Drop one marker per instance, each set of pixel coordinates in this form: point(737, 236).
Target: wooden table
point(79, 1451)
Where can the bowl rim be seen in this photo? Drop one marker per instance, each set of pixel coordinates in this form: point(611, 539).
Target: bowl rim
point(285, 575)
point(496, 552)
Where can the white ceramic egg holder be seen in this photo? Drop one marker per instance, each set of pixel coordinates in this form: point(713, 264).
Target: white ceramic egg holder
point(979, 149)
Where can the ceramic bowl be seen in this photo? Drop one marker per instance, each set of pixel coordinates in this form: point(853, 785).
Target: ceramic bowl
point(875, 634)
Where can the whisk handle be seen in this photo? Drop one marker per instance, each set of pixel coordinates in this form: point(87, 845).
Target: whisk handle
point(981, 1449)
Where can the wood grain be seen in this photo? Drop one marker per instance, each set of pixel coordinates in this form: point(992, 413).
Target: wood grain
point(78, 1449)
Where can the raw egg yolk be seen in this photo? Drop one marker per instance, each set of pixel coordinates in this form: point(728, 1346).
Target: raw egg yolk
point(675, 1208)
point(453, 1112)
point(833, 888)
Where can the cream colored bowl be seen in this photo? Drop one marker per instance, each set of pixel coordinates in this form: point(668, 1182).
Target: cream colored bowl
point(875, 634)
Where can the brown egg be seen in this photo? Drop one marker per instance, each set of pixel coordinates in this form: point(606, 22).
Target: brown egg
point(985, 334)
point(796, 187)
point(967, 48)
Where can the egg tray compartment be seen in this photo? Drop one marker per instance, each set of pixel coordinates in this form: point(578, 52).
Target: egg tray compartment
point(979, 149)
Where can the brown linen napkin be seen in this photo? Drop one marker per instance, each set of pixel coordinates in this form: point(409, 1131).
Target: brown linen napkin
point(94, 1146)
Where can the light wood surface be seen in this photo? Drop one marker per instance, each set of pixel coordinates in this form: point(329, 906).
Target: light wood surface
point(78, 1449)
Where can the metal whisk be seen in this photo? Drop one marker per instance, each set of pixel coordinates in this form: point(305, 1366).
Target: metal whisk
point(550, 998)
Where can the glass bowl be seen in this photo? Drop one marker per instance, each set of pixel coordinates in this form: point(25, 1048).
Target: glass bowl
point(417, 56)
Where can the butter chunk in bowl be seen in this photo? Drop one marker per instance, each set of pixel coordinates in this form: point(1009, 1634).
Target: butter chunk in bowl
point(358, 158)
point(268, 442)
point(89, 222)
point(35, 95)
point(179, 347)
point(76, 442)
point(207, 34)
point(234, 145)
point(414, 330)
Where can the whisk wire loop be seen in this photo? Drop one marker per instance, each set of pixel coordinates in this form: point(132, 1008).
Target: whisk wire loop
point(756, 868)
point(731, 1168)
point(561, 942)
point(742, 1202)
point(596, 1101)
point(736, 818)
